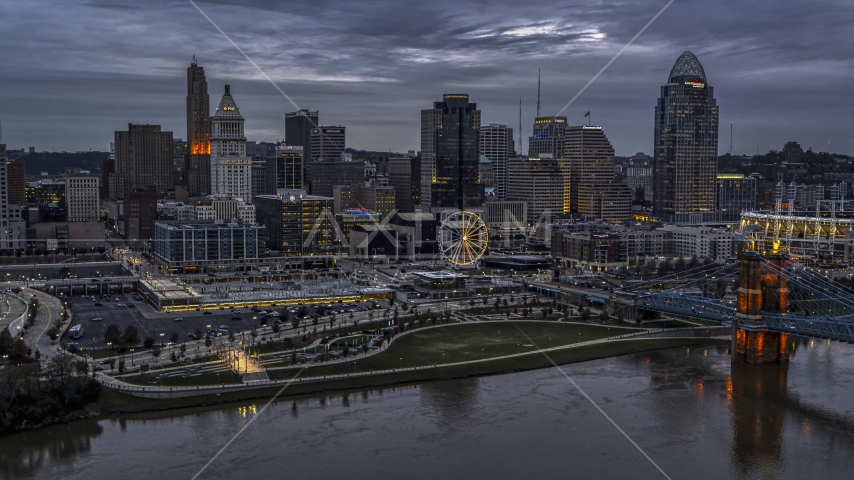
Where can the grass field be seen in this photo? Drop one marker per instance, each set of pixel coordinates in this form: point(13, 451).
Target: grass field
point(204, 379)
point(465, 342)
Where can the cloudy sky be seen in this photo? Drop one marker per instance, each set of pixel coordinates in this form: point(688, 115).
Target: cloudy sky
point(72, 72)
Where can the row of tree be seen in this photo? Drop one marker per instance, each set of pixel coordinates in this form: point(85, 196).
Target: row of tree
point(31, 393)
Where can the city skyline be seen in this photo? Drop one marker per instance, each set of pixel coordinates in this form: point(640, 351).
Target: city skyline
point(115, 76)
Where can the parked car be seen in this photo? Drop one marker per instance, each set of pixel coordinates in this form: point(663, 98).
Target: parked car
point(179, 319)
point(235, 318)
point(97, 319)
point(207, 313)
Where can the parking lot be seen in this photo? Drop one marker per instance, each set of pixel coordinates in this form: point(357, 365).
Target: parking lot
point(160, 326)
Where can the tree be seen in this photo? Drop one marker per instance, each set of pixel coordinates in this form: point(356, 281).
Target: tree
point(275, 327)
point(112, 364)
point(112, 334)
point(155, 351)
point(183, 349)
point(121, 366)
point(131, 336)
point(525, 312)
point(545, 312)
point(149, 342)
point(551, 310)
point(404, 306)
point(694, 262)
point(302, 311)
point(365, 348)
point(208, 342)
point(680, 265)
point(603, 315)
point(5, 341)
point(18, 351)
point(198, 333)
point(173, 356)
point(53, 333)
point(665, 267)
point(585, 315)
point(620, 318)
point(173, 337)
point(231, 338)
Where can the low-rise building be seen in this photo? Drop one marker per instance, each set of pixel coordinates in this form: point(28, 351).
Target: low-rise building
point(186, 246)
point(703, 242)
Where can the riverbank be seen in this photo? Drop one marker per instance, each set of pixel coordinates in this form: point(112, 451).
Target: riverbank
point(115, 403)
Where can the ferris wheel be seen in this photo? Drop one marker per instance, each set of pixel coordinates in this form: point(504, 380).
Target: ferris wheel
point(463, 237)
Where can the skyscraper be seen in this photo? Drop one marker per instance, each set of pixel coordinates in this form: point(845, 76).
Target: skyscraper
point(231, 169)
point(736, 194)
point(197, 168)
point(548, 138)
point(17, 183)
point(686, 145)
point(404, 175)
point(496, 143)
point(81, 196)
point(14, 228)
point(144, 157)
point(284, 169)
point(298, 126)
point(588, 164)
point(327, 143)
point(537, 181)
point(449, 154)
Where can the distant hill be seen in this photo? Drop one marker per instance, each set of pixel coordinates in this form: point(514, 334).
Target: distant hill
point(56, 162)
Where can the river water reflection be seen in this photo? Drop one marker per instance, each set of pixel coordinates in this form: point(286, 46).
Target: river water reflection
point(693, 414)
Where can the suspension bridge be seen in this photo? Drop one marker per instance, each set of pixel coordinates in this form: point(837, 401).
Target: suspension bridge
point(764, 299)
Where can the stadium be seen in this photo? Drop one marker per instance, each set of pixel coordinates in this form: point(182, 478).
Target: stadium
point(813, 236)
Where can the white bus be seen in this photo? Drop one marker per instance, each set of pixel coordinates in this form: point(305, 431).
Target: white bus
point(76, 331)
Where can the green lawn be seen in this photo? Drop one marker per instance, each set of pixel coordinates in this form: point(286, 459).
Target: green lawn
point(204, 379)
point(465, 342)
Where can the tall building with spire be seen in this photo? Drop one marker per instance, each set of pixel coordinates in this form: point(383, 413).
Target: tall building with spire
point(450, 160)
point(197, 167)
point(548, 138)
point(231, 169)
point(686, 145)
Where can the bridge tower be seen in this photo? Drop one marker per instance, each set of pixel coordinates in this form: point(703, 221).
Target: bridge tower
point(760, 289)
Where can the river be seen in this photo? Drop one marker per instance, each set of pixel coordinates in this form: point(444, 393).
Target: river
point(689, 411)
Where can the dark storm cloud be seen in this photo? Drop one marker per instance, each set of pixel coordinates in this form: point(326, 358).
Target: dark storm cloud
point(75, 72)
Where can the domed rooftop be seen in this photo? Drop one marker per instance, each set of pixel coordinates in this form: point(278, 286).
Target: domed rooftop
point(687, 65)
